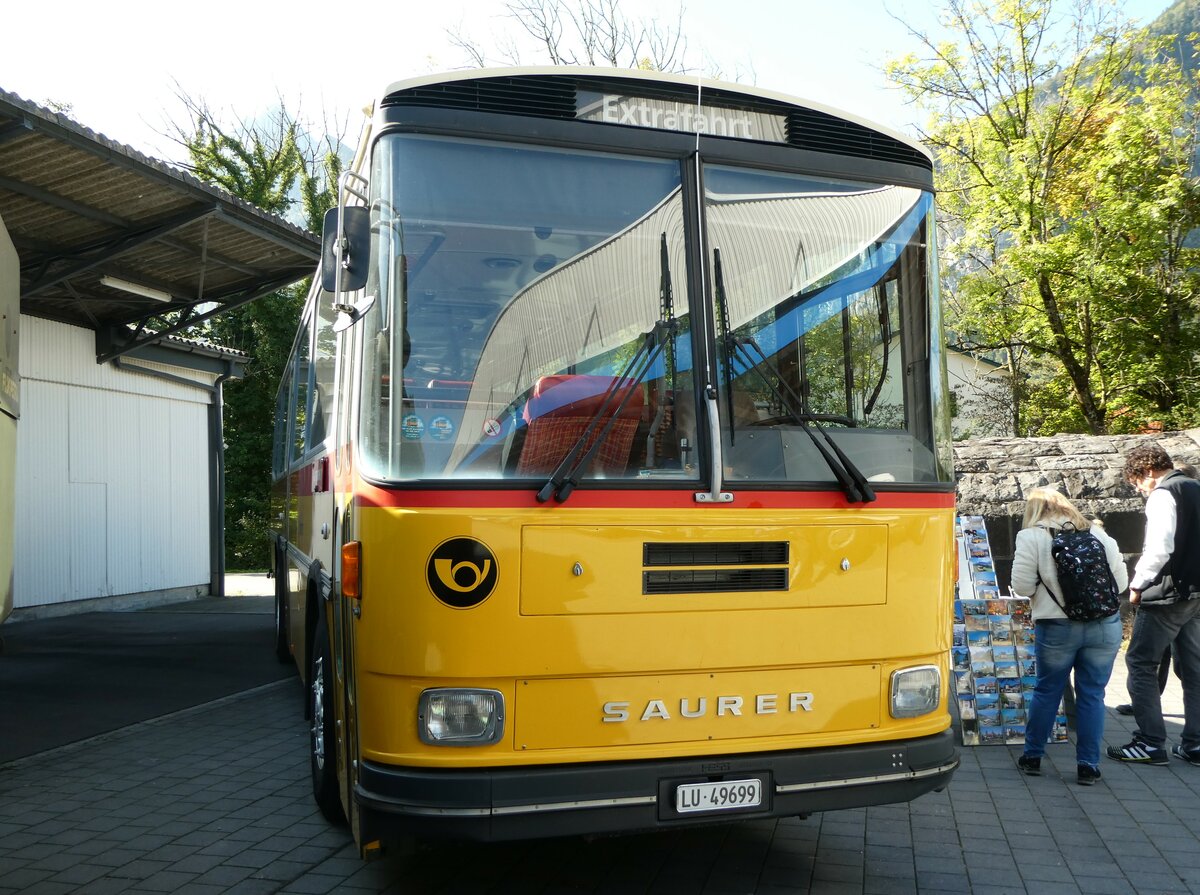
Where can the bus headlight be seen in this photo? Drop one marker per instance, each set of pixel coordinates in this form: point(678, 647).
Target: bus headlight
point(454, 717)
point(916, 691)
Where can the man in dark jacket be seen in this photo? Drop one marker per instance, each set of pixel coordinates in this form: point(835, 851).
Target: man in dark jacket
point(1166, 590)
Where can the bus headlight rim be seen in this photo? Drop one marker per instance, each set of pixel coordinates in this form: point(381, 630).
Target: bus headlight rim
point(916, 691)
point(460, 716)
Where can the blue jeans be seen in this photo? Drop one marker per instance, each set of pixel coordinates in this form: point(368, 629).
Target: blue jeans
point(1089, 648)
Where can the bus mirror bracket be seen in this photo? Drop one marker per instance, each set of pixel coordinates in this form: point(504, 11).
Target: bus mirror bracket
point(349, 314)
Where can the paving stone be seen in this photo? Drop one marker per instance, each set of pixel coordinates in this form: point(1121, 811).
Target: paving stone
point(183, 818)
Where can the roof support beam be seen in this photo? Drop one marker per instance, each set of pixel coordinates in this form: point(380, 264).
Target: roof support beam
point(121, 244)
point(56, 201)
point(113, 346)
point(86, 211)
point(11, 128)
point(47, 253)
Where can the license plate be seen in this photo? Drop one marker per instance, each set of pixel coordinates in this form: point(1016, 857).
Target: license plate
point(726, 795)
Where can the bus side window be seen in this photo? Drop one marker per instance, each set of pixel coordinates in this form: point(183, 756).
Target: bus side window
point(324, 369)
point(279, 453)
point(300, 416)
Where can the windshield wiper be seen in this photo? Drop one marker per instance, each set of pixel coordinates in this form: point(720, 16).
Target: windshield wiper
point(666, 382)
point(849, 476)
point(569, 470)
point(885, 338)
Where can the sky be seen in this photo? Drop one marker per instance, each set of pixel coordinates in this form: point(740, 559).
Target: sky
point(121, 66)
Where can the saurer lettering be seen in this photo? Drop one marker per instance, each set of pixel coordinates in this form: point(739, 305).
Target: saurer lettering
point(619, 711)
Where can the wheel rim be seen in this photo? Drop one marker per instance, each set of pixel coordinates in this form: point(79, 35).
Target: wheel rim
point(318, 712)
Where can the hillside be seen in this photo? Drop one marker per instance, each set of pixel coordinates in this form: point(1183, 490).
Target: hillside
point(1180, 20)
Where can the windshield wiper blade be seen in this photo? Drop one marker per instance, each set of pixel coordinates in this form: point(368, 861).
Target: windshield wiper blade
point(566, 475)
point(849, 476)
point(857, 488)
point(569, 470)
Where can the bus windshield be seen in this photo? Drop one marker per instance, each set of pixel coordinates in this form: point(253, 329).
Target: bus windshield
point(532, 320)
point(518, 288)
point(824, 327)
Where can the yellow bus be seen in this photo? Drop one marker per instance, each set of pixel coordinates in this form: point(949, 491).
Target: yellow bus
point(613, 463)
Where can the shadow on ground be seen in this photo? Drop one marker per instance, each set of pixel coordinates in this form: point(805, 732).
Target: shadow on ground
point(67, 679)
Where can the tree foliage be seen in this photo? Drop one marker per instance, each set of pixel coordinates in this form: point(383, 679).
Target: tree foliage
point(274, 164)
point(1064, 146)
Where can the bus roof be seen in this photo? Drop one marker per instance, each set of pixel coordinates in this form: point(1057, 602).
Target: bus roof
point(602, 75)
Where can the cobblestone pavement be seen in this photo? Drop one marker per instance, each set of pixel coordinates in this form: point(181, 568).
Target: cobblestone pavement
point(216, 799)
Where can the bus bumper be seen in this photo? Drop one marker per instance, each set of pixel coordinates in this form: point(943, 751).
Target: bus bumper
point(625, 796)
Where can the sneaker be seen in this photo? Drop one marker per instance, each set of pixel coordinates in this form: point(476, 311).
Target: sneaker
point(1031, 766)
point(1191, 756)
point(1125, 708)
point(1138, 752)
point(1087, 775)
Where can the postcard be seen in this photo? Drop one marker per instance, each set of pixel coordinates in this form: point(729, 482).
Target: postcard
point(1004, 653)
point(977, 623)
point(991, 735)
point(1000, 628)
point(985, 685)
point(1012, 716)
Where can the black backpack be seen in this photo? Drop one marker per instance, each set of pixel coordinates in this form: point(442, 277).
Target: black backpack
point(1089, 591)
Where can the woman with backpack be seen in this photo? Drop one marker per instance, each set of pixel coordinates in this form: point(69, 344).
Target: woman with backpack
point(1050, 527)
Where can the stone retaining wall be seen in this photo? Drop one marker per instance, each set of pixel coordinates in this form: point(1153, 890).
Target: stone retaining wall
point(996, 474)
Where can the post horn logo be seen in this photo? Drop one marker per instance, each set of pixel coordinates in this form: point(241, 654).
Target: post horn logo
point(461, 572)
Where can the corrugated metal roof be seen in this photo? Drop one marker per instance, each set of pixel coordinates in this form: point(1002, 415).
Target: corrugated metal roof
point(81, 208)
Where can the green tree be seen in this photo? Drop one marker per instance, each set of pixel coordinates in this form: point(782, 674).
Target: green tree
point(1063, 151)
point(274, 164)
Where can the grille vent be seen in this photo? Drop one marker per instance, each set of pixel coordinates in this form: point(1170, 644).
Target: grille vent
point(708, 581)
point(820, 132)
point(539, 97)
point(715, 554)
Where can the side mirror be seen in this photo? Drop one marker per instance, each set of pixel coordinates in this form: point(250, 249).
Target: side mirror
point(345, 256)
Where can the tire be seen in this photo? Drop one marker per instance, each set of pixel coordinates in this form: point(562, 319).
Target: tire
point(322, 745)
point(282, 650)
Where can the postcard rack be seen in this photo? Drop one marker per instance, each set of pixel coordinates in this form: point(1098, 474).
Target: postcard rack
point(992, 657)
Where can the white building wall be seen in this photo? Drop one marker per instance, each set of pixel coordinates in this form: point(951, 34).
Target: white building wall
point(112, 486)
point(984, 399)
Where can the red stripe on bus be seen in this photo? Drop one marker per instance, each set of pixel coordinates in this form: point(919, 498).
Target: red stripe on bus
point(372, 496)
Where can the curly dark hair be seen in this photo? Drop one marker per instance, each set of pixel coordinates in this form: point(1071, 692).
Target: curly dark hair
point(1144, 460)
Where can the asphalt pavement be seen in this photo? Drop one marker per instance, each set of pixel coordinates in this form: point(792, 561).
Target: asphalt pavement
point(203, 788)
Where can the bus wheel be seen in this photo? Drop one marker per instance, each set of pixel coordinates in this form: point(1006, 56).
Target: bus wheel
point(322, 745)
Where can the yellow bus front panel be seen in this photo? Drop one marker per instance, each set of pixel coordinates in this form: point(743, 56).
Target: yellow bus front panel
point(592, 668)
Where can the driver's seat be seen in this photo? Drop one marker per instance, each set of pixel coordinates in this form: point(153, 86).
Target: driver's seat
point(559, 411)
